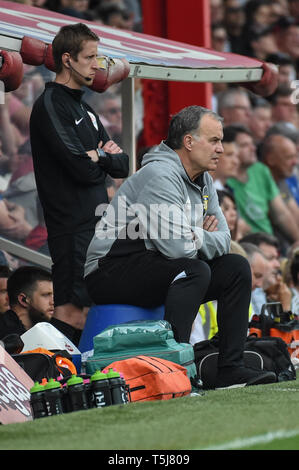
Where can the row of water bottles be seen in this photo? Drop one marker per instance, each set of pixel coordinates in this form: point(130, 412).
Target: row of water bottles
point(54, 397)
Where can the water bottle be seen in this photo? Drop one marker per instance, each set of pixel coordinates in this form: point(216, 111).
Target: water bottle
point(37, 401)
point(100, 390)
point(88, 392)
point(76, 394)
point(53, 397)
point(117, 388)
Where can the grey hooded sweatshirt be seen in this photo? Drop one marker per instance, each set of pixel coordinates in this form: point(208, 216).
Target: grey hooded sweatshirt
point(159, 208)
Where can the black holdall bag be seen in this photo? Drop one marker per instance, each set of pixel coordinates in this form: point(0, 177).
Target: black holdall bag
point(267, 353)
point(42, 365)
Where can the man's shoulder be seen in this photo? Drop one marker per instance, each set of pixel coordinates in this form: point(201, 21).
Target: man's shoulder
point(259, 168)
point(10, 323)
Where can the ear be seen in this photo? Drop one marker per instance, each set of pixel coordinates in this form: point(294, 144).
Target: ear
point(23, 300)
point(188, 142)
point(66, 59)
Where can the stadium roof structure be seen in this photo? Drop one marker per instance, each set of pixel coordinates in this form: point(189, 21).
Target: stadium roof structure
point(149, 56)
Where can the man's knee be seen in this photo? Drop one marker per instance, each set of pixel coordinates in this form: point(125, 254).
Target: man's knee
point(197, 270)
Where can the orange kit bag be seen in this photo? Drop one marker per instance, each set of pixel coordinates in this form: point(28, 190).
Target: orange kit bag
point(152, 378)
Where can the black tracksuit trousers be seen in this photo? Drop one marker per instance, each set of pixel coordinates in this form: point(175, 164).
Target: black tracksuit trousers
point(182, 285)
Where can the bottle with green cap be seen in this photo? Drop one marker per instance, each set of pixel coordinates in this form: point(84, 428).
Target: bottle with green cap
point(76, 393)
point(100, 389)
point(53, 397)
point(37, 401)
point(118, 392)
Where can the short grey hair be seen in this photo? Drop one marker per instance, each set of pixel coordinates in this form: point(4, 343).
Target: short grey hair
point(187, 121)
point(251, 250)
point(226, 99)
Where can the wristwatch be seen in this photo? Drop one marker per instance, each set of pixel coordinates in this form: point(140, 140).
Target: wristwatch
point(101, 152)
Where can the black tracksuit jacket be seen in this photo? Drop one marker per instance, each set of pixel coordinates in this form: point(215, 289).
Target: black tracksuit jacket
point(70, 185)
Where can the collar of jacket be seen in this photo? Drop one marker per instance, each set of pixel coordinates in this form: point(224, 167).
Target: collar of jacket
point(76, 94)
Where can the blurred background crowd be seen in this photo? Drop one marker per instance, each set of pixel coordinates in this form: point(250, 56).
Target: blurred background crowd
point(258, 176)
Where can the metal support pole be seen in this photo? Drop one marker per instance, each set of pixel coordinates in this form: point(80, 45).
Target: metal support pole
point(128, 121)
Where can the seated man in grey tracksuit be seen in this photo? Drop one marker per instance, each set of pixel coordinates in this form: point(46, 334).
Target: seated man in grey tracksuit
point(164, 240)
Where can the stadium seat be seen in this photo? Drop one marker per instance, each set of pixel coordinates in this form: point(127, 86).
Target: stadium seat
point(100, 317)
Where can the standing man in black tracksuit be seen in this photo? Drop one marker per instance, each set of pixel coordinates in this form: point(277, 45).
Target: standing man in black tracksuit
point(72, 154)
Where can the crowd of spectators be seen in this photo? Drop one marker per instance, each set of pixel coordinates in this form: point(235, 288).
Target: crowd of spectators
point(258, 175)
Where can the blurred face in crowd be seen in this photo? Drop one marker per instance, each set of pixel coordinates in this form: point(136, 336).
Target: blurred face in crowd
point(228, 162)
point(272, 256)
point(4, 304)
point(246, 150)
point(260, 122)
point(284, 109)
point(112, 112)
point(230, 212)
point(278, 8)
point(294, 8)
point(80, 5)
point(234, 16)
point(286, 73)
point(263, 15)
point(259, 267)
point(283, 158)
point(219, 38)
point(217, 11)
point(290, 41)
point(264, 45)
point(239, 111)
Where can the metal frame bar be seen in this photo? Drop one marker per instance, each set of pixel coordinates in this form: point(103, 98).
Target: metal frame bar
point(25, 253)
point(212, 75)
point(128, 121)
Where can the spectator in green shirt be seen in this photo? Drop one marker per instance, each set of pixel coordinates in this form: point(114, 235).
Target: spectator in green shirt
point(258, 198)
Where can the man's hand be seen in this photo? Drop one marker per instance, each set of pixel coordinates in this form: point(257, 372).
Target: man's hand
point(109, 147)
point(280, 292)
point(210, 223)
